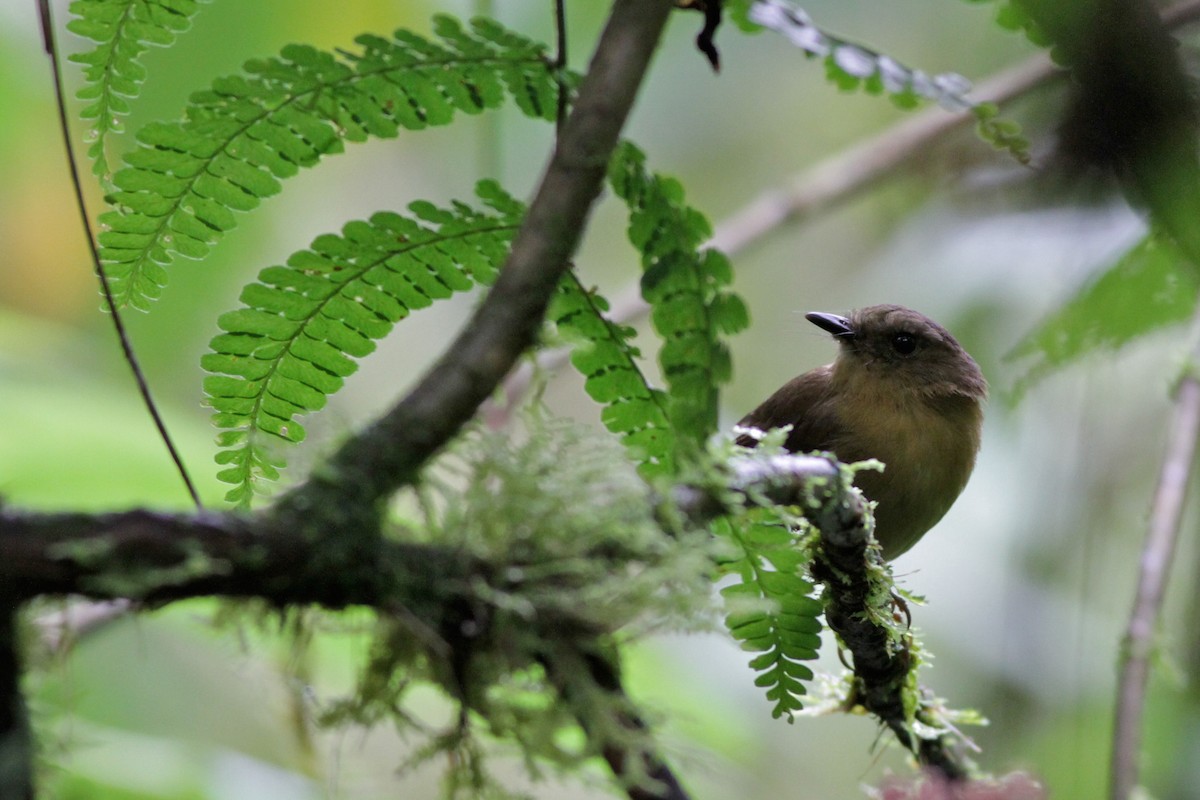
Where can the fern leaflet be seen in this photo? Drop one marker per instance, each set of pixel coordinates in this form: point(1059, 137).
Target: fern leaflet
point(122, 30)
point(606, 357)
point(770, 610)
point(851, 66)
point(241, 137)
point(293, 342)
point(685, 287)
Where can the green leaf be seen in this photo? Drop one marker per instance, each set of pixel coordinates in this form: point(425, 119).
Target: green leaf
point(605, 355)
point(241, 137)
point(1151, 286)
point(691, 308)
point(770, 609)
point(123, 30)
point(301, 326)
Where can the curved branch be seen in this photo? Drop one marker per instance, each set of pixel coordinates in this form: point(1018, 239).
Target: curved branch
point(387, 454)
point(883, 665)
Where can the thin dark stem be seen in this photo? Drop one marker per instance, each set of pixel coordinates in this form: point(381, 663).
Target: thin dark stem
point(114, 312)
point(1158, 553)
point(560, 59)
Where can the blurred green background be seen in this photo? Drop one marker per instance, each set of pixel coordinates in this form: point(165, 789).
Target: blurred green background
point(1028, 578)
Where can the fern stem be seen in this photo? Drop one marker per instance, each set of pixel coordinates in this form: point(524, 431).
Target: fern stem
point(131, 359)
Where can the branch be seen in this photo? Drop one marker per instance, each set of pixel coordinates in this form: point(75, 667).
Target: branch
point(883, 665)
point(388, 454)
point(1157, 554)
point(158, 557)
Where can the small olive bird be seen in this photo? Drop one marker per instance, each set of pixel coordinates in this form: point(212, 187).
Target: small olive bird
point(901, 390)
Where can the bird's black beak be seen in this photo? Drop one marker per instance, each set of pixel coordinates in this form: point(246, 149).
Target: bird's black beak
point(838, 327)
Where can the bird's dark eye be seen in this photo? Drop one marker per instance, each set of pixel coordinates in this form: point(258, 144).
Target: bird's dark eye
point(904, 343)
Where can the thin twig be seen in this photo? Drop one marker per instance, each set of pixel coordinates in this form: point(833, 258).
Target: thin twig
point(560, 61)
point(1157, 555)
point(105, 289)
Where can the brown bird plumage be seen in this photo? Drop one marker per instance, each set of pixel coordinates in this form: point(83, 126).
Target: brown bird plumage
point(901, 390)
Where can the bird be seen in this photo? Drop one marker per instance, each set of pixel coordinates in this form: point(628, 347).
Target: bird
point(901, 390)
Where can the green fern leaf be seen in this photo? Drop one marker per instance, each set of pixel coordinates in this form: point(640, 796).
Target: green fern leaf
point(122, 30)
point(605, 355)
point(240, 138)
point(685, 286)
point(771, 611)
point(294, 341)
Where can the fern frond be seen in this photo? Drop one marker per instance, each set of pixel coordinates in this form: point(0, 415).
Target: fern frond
point(770, 610)
point(852, 66)
point(294, 341)
point(685, 286)
point(248, 132)
point(605, 355)
point(122, 30)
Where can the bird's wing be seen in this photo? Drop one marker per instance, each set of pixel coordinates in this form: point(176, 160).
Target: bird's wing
point(806, 404)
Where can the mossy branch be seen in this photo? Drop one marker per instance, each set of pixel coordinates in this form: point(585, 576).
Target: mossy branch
point(859, 593)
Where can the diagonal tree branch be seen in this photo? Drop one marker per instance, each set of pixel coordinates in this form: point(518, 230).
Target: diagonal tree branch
point(388, 453)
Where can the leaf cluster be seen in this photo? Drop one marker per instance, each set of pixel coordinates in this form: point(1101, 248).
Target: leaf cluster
point(294, 341)
point(686, 287)
point(770, 610)
point(182, 186)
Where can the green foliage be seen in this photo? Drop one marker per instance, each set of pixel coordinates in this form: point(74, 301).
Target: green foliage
point(122, 30)
point(292, 343)
point(1152, 285)
point(770, 609)
point(1013, 16)
point(604, 353)
point(238, 140)
point(685, 286)
point(1000, 133)
point(738, 12)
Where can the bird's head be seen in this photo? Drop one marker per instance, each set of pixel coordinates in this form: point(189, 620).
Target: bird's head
point(901, 349)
